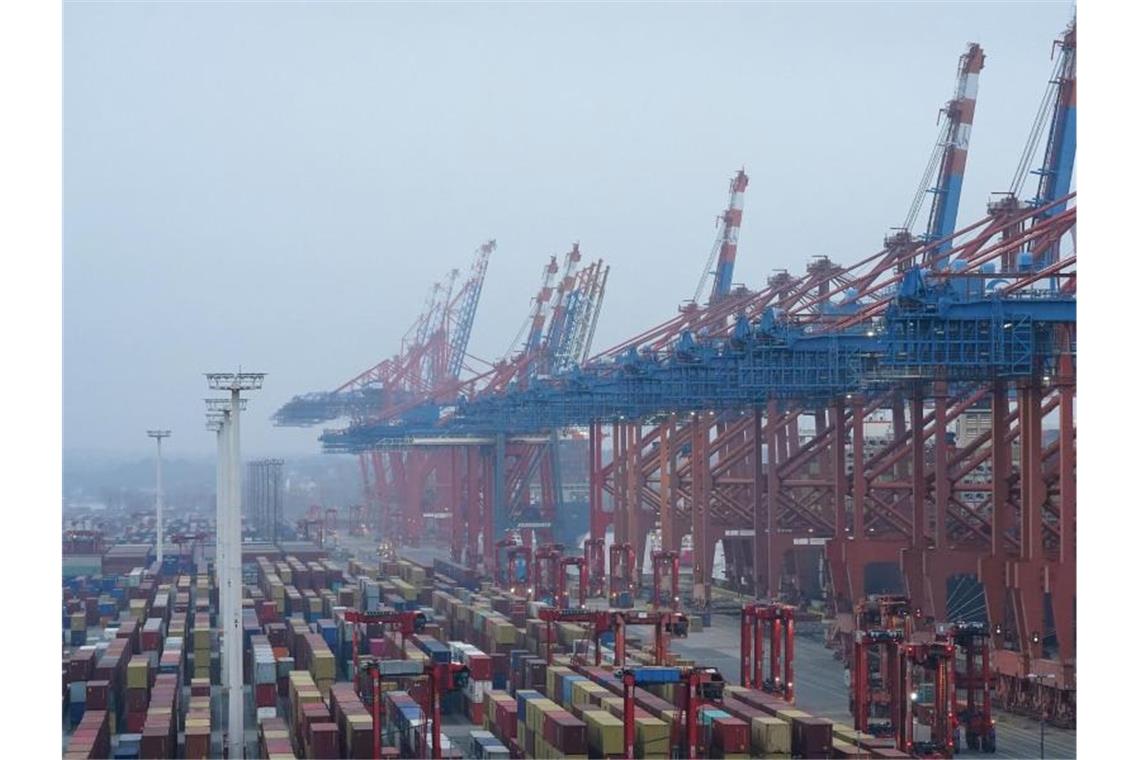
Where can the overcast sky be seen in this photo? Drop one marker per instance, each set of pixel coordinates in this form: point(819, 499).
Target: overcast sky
point(277, 185)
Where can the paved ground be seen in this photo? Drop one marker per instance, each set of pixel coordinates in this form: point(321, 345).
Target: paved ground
point(821, 690)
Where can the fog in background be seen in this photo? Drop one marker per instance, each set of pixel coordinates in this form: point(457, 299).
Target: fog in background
point(278, 185)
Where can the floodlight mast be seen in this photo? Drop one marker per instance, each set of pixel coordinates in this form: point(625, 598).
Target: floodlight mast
point(217, 421)
point(235, 383)
point(158, 435)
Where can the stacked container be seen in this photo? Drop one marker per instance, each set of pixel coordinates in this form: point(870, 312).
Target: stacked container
point(160, 731)
point(200, 638)
point(404, 718)
point(273, 740)
point(198, 727)
point(92, 737)
point(137, 693)
point(353, 721)
point(264, 676)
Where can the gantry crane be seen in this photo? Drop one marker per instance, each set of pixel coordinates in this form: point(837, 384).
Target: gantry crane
point(310, 527)
point(406, 623)
point(595, 549)
point(666, 564)
point(180, 540)
point(972, 675)
point(665, 625)
point(702, 686)
point(544, 577)
point(881, 621)
point(442, 677)
point(622, 568)
point(562, 588)
point(776, 622)
point(873, 691)
point(933, 661)
point(520, 580)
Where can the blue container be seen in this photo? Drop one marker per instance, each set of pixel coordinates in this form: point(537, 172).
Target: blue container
point(625, 600)
point(606, 639)
point(75, 712)
point(129, 746)
point(78, 638)
point(709, 714)
point(521, 697)
point(499, 681)
point(706, 619)
point(436, 652)
point(657, 675)
point(328, 633)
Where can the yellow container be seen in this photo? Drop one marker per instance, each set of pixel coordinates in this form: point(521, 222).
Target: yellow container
point(788, 715)
point(613, 705)
point(604, 732)
point(138, 675)
point(651, 737)
point(844, 732)
point(771, 736)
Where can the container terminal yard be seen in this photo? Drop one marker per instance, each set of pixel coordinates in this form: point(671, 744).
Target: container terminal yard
point(832, 516)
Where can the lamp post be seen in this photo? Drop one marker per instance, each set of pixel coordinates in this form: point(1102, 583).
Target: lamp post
point(1037, 678)
point(158, 435)
point(235, 383)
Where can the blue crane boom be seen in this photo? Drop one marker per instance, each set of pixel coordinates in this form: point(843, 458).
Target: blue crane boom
point(959, 114)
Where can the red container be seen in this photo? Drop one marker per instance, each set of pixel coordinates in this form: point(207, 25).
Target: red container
point(136, 699)
point(731, 736)
point(135, 722)
point(323, 741)
point(265, 694)
point(312, 713)
point(564, 732)
point(198, 743)
point(81, 666)
point(267, 612)
point(156, 742)
point(480, 667)
point(98, 695)
point(811, 737)
point(506, 720)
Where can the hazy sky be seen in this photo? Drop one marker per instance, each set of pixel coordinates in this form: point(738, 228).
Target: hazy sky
point(277, 185)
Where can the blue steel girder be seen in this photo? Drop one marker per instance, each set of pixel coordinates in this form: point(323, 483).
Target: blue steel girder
point(936, 333)
point(939, 326)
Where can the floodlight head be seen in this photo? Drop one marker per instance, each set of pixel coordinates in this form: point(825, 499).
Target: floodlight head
point(234, 381)
point(160, 434)
point(223, 404)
